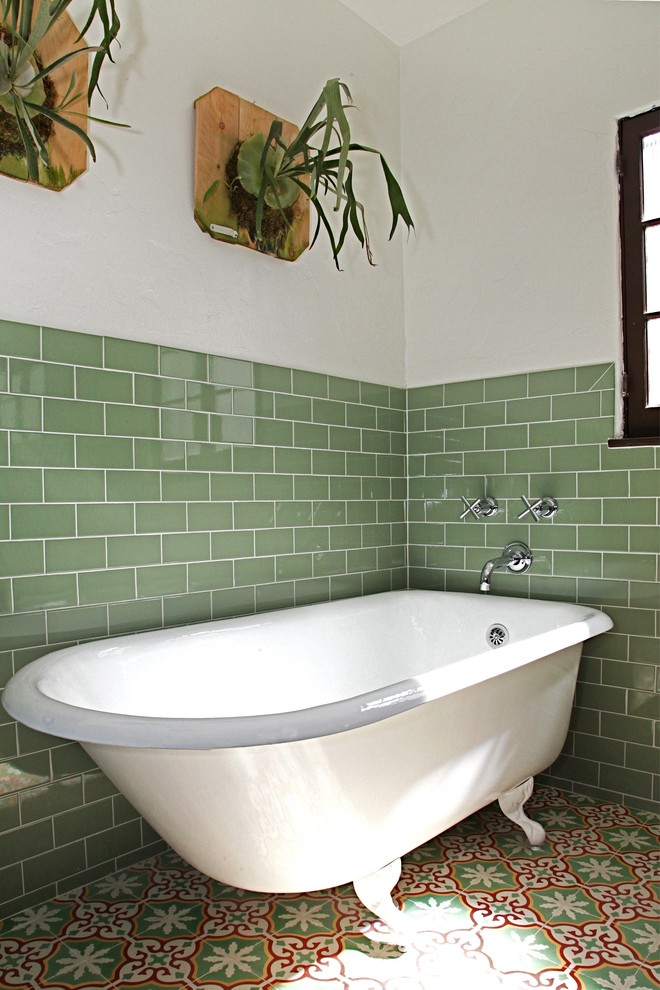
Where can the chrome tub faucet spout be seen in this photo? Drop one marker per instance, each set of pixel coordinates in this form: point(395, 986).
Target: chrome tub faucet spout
point(516, 557)
point(496, 564)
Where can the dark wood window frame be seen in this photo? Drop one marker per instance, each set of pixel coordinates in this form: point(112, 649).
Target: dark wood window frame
point(641, 425)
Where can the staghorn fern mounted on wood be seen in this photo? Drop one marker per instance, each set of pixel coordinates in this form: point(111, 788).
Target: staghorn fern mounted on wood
point(42, 87)
point(318, 163)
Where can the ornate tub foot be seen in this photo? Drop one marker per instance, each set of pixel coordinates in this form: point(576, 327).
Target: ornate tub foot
point(374, 891)
point(511, 803)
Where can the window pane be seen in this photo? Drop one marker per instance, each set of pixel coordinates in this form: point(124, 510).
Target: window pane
point(651, 176)
point(653, 346)
point(652, 248)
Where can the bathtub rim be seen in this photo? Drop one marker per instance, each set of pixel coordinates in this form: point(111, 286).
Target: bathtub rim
point(24, 700)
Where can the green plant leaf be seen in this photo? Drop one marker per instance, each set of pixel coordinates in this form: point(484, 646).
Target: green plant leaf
point(274, 141)
point(89, 116)
point(322, 219)
point(70, 126)
point(318, 160)
point(111, 24)
point(27, 22)
point(397, 201)
point(259, 213)
point(249, 163)
point(36, 96)
point(211, 189)
point(29, 37)
point(258, 169)
point(30, 140)
point(281, 193)
point(62, 60)
point(5, 71)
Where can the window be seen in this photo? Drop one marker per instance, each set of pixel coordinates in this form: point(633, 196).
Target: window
point(639, 185)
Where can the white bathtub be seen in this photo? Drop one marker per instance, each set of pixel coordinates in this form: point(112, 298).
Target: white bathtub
point(302, 749)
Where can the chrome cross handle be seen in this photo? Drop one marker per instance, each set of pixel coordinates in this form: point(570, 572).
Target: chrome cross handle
point(543, 508)
point(481, 507)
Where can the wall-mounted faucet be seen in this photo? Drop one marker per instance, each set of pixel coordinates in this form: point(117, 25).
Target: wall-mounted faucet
point(479, 507)
point(516, 557)
point(542, 508)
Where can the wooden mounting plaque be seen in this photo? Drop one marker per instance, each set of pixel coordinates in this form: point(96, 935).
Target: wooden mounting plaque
point(67, 152)
point(222, 121)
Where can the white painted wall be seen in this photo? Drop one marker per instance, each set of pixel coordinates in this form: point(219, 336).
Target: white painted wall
point(508, 122)
point(404, 22)
point(119, 252)
point(509, 134)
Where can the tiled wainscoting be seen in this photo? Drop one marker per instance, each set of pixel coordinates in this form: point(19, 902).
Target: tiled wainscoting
point(143, 486)
point(545, 434)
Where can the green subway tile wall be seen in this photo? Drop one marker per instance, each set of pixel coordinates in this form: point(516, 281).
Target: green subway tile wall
point(145, 486)
point(545, 434)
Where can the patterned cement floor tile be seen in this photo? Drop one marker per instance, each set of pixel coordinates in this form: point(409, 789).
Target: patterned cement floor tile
point(38, 985)
point(631, 838)
point(234, 961)
point(565, 905)
point(600, 869)
point(500, 909)
point(311, 915)
point(643, 938)
point(161, 919)
point(579, 842)
point(591, 945)
point(543, 871)
point(619, 978)
point(514, 845)
point(484, 912)
point(438, 913)
point(430, 962)
point(560, 817)
point(23, 962)
point(460, 849)
point(130, 884)
point(484, 874)
point(426, 878)
point(99, 919)
point(183, 882)
point(45, 920)
point(167, 983)
point(521, 951)
point(77, 962)
point(237, 916)
point(606, 816)
point(169, 961)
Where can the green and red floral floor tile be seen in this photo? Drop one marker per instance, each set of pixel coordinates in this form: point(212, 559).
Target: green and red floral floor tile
point(485, 912)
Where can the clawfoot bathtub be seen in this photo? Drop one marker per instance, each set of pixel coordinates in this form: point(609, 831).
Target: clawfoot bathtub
point(307, 748)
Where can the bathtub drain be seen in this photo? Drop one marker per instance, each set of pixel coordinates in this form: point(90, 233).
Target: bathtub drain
point(497, 635)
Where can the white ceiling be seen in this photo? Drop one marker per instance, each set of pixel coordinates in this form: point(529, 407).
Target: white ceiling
point(403, 22)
